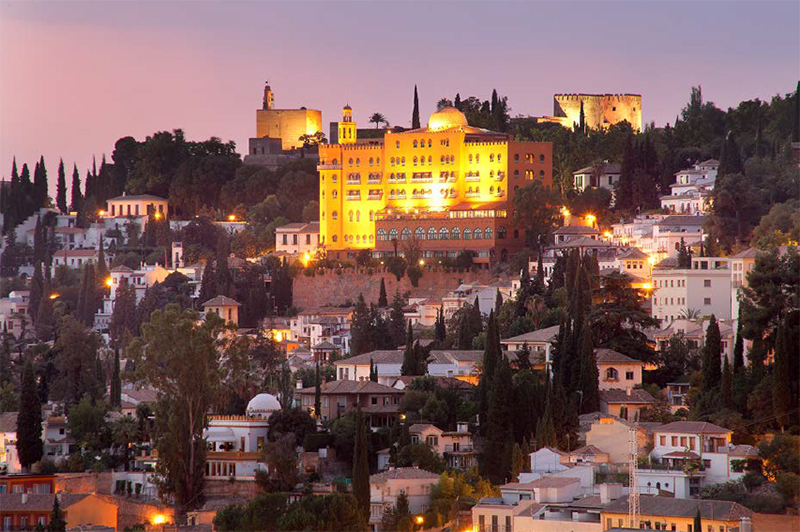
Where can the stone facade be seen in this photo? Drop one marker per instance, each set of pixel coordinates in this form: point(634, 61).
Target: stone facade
point(599, 110)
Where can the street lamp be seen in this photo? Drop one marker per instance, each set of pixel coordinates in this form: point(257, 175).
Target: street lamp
point(419, 519)
point(109, 282)
point(54, 296)
point(231, 217)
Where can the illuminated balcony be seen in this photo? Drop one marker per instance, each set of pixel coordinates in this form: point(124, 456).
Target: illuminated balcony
point(374, 179)
point(329, 167)
point(375, 194)
point(472, 176)
point(500, 176)
point(354, 179)
point(422, 177)
point(354, 196)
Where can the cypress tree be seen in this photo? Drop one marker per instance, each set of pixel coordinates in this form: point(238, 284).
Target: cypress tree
point(383, 301)
point(440, 327)
point(625, 185)
point(491, 357)
point(29, 420)
point(498, 302)
point(727, 384)
point(57, 522)
point(698, 525)
point(318, 393)
point(730, 162)
point(224, 279)
point(373, 371)
point(415, 113)
point(76, 199)
point(116, 382)
point(796, 115)
point(361, 467)
point(517, 462)
point(409, 366)
point(497, 460)
point(38, 241)
point(40, 184)
point(738, 349)
point(712, 353)
point(582, 120)
point(208, 283)
point(37, 291)
point(44, 316)
point(782, 381)
point(457, 101)
point(589, 377)
point(61, 188)
point(757, 355)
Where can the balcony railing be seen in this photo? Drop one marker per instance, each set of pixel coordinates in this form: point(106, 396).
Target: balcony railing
point(374, 179)
point(460, 449)
point(353, 197)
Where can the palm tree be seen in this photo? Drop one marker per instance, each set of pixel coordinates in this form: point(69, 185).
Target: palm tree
point(690, 314)
point(378, 119)
point(125, 431)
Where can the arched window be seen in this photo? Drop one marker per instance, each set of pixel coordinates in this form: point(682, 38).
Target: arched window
point(541, 173)
point(392, 234)
point(516, 173)
point(612, 374)
point(415, 143)
point(478, 158)
point(491, 190)
point(371, 216)
point(487, 235)
point(358, 216)
point(467, 234)
point(350, 162)
point(477, 235)
point(397, 144)
point(455, 234)
point(335, 178)
point(335, 161)
point(335, 238)
point(358, 238)
point(470, 158)
point(350, 214)
point(441, 159)
point(419, 233)
point(335, 215)
point(381, 235)
point(405, 234)
point(335, 194)
point(370, 161)
point(499, 157)
point(371, 239)
point(378, 161)
point(431, 234)
point(430, 143)
point(430, 159)
point(501, 232)
point(322, 214)
point(443, 234)
point(491, 157)
point(541, 158)
point(415, 160)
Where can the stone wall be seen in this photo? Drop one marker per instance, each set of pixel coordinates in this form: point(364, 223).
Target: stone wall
point(246, 489)
point(87, 482)
point(134, 511)
point(600, 110)
point(333, 289)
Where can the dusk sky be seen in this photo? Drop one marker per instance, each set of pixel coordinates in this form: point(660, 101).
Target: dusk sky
point(76, 76)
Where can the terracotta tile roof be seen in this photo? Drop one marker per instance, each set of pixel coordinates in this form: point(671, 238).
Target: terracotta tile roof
point(353, 387)
point(693, 427)
point(325, 346)
point(547, 334)
point(37, 502)
point(672, 507)
point(609, 356)
point(744, 451)
point(682, 219)
point(588, 449)
point(388, 356)
point(637, 396)
point(682, 454)
point(221, 301)
point(553, 482)
point(749, 253)
point(8, 422)
point(576, 230)
point(417, 428)
point(409, 473)
point(137, 197)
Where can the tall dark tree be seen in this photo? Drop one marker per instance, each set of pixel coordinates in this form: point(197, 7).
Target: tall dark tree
point(738, 349)
point(440, 327)
point(61, 188)
point(208, 283)
point(491, 358)
point(224, 277)
point(373, 371)
point(44, 320)
point(782, 377)
point(29, 420)
point(383, 301)
point(457, 101)
point(497, 459)
point(76, 198)
point(361, 467)
point(116, 382)
point(730, 161)
point(727, 384)
point(360, 330)
point(415, 124)
point(397, 320)
point(712, 356)
point(796, 114)
point(58, 522)
point(40, 184)
point(317, 392)
point(37, 291)
point(589, 376)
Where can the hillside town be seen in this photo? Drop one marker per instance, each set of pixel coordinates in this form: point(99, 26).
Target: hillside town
point(482, 322)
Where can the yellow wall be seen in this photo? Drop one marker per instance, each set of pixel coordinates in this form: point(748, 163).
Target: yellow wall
point(355, 159)
point(681, 523)
point(288, 125)
point(91, 509)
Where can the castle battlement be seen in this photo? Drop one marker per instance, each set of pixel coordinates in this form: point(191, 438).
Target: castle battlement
point(599, 110)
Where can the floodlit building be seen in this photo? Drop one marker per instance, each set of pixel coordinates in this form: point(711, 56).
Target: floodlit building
point(386, 486)
point(224, 307)
point(449, 186)
point(297, 238)
point(136, 205)
point(454, 446)
point(603, 175)
point(287, 125)
point(692, 189)
point(667, 513)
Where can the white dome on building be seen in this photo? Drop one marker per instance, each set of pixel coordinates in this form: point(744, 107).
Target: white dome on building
point(263, 403)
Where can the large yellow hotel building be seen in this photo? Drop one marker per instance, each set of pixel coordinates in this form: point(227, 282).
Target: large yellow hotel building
point(449, 185)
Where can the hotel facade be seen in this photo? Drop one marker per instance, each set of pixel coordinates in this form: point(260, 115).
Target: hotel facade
point(449, 186)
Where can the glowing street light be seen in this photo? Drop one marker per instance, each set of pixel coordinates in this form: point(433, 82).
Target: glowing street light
point(419, 519)
point(54, 296)
point(591, 218)
point(159, 519)
point(157, 216)
point(109, 282)
point(647, 286)
point(422, 262)
point(101, 212)
point(564, 211)
point(231, 217)
point(651, 259)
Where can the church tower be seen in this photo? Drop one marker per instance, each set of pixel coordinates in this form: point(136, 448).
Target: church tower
point(269, 97)
point(347, 128)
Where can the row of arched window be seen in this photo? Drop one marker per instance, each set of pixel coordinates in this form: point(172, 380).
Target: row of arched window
point(442, 234)
point(372, 161)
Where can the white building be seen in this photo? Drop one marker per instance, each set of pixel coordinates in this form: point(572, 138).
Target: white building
point(14, 312)
point(323, 324)
point(9, 458)
point(694, 332)
point(297, 238)
point(668, 233)
point(136, 205)
point(603, 175)
point(704, 288)
point(386, 486)
point(442, 363)
point(692, 188)
point(235, 442)
point(637, 233)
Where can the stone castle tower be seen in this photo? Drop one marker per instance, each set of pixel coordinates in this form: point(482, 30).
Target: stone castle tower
point(269, 97)
point(599, 110)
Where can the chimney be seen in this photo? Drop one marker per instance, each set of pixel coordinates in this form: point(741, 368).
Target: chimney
point(628, 391)
point(610, 492)
point(24, 498)
point(462, 427)
point(745, 525)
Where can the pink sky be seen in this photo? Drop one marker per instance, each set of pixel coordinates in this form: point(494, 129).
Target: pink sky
point(76, 76)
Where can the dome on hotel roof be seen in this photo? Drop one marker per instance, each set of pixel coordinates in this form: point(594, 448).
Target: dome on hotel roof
point(446, 118)
point(263, 402)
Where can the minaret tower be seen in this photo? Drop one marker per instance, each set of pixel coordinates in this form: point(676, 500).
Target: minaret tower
point(347, 128)
point(269, 97)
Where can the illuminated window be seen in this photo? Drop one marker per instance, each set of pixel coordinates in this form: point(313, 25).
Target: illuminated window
point(403, 161)
point(443, 234)
point(499, 157)
point(415, 143)
point(358, 216)
point(430, 159)
point(491, 189)
point(431, 234)
point(371, 239)
point(478, 158)
point(378, 162)
point(477, 235)
point(334, 194)
point(441, 160)
point(371, 216)
point(370, 161)
point(397, 144)
point(381, 235)
point(470, 158)
point(351, 215)
point(358, 161)
point(455, 234)
point(419, 233)
point(350, 162)
point(467, 234)
point(358, 238)
point(487, 235)
point(335, 238)
point(491, 157)
point(335, 178)
point(335, 215)
point(430, 143)
point(405, 234)
point(393, 234)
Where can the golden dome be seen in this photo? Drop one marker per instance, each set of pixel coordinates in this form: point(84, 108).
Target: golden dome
point(446, 118)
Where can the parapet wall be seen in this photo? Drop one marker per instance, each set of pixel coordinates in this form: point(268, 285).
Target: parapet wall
point(333, 289)
point(600, 110)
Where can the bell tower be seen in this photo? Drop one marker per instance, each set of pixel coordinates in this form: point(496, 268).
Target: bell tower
point(269, 97)
point(347, 128)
